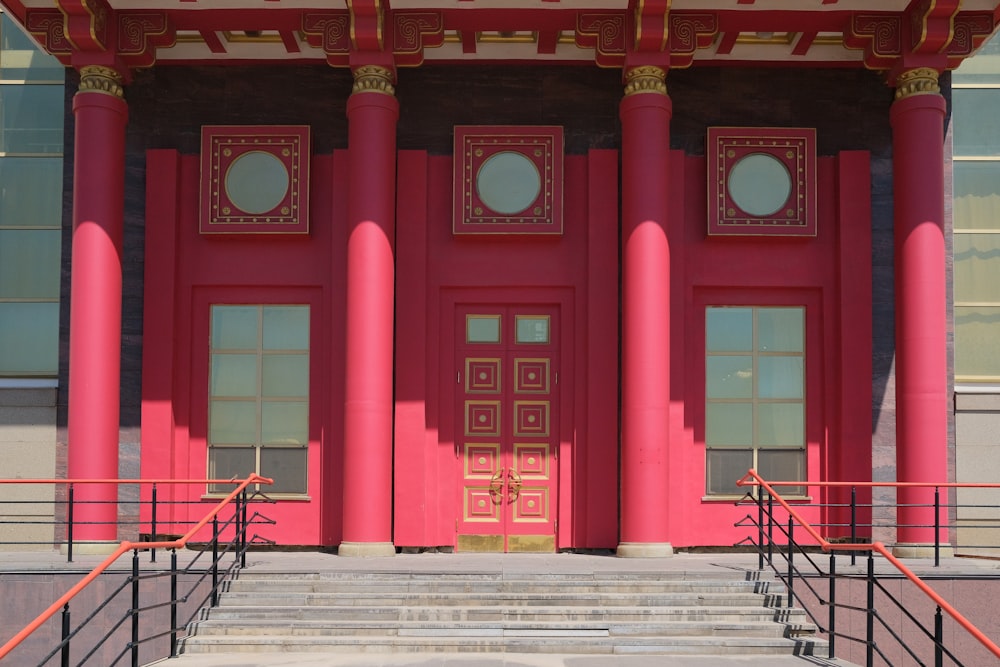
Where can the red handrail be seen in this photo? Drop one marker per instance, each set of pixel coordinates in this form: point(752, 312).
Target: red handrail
point(753, 479)
point(125, 546)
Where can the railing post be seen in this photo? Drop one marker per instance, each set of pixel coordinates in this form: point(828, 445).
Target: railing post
point(938, 639)
point(791, 555)
point(870, 629)
point(770, 529)
point(760, 529)
point(246, 528)
point(65, 636)
point(173, 603)
point(854, 523)
point(152, 527)
point(937, 526)
point(135, 608)
point(215, 560)
point(69, 524)
point(832, 613)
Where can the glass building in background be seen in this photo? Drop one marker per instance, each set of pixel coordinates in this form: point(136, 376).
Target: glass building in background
point(31, 171)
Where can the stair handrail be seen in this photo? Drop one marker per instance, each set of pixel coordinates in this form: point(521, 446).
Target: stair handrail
point(124, 547)
point(753, 479)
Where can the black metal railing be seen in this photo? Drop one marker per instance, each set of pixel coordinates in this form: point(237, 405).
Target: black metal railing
point(880, 608)
point(134, 614)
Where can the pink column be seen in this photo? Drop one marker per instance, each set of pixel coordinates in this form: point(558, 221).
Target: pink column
point(917, 118)
point(645, 114)
point(372, 112)
point(95, 302)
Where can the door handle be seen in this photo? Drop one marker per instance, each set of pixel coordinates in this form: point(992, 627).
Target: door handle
point(513, 485)
point(496, 487)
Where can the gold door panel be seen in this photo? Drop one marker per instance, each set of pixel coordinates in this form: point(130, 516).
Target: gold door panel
point(531, 418)
point(482, 418)
point(482, 376)
point(531, 376)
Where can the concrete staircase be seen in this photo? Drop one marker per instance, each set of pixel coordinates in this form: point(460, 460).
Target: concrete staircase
point(440, 612)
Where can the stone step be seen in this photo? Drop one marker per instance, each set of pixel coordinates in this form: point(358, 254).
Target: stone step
point(596, 628)
point(504, 599)
point(524, 642)
point(442, 612)
point(479, 614)
point(506, 586)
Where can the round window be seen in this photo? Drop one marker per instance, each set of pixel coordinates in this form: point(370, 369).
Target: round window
point(508, 182)
point(256, 182)
point(759, 184)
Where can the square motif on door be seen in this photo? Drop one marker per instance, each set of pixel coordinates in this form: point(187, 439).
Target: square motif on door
point(254, 179)
point(531, 376)
point(479, 506)
point(482, 376)
point(531, 418)
point(532, 460)
point(761, 181)
point(482, 418)
point(532, 505)
point(508, 180)
point(481, 460)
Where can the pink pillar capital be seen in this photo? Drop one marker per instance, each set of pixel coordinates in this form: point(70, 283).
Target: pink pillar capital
point(372, 112)
point(645, 113)
point(101, 115)
point(917, 119)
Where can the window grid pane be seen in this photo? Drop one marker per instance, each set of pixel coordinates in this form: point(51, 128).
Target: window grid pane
point(259, 390)
point(754, 393)
point(31, 175)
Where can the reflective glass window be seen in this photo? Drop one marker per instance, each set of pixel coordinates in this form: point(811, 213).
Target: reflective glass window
point(259, 391)
point(754, 394)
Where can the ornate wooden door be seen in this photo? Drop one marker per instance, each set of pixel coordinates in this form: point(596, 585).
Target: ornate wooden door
point(507, 430)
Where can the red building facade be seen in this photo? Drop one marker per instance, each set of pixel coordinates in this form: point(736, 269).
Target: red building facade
point(484, 284)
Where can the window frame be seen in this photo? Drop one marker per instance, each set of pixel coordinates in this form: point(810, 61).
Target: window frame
point(811, 301)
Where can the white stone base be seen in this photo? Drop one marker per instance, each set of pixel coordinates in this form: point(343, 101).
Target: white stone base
point(89, 548)
point(366, 549)
point(645, 550)
point(921, 551)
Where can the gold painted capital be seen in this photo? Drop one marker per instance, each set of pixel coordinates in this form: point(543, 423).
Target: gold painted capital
point(100, 79)
point(373, 79)
point(919, 81)
point(645, 79)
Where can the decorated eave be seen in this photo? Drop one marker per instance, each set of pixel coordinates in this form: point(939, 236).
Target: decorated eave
point(884, 35)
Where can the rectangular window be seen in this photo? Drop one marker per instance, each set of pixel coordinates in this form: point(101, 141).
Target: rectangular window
point(755, 398)
point(258, 394)
point(31, 173)
point(977, 216)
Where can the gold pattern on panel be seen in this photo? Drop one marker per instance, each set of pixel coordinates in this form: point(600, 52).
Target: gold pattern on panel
point(481, 543)
point(482, 375)
point(98, 79)
point(531, 418)
point(919, 81)
point(481, 459)
point(537, 544)
point(646, 79)
point(373, 79)
point(531, 376)
point(532, 460)
point(482, 418)
point(532, 505)
point(478, 506)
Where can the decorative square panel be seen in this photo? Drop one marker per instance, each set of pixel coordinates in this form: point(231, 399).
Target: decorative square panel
point(508, 180)
point(532, 505)
point(254, 179)
point(482, 418)
point(481, 459)
point(531, 376)
point(531, 418)
point(761, 181)
point(532, 461)
point(479, 506)
point(482, 376)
